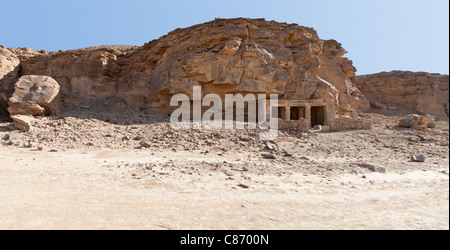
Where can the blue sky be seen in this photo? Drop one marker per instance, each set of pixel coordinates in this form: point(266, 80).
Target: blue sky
point(379, 35)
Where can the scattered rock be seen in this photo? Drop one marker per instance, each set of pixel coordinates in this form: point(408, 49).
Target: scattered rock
point(243, 185)
point(288, 153)
point(373, 167)
point(409, 121)
point(305, 135)
point(138, 137)
point(269, 156)
point(11, 127)
point(23, 122)
point(414, 121)
point(431, 125)
point(417, 158)
point(6, 137)
point(269, 147)
point(113, 120)
point(379, 105)
point(414, 139)
point(144, 144)
point(421, 112)
point(391, 107)
point(424, 119)
point(26, 109)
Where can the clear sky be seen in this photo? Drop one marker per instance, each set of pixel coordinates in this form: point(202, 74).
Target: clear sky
point(378, 35)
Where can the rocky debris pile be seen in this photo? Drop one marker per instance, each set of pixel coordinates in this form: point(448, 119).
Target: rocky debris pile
point(23, 122)
point(89, 129)
point(35, 95)
point(131, 129)
point(420, 91)
point(419, 122)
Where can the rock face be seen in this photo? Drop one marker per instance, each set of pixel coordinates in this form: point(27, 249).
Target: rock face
point(236, 55)
point(9, 72)
point(34, 95)
point(223, 56)
point(419, 91)
point(229, 56)
point(88, 73)
point(339, 70)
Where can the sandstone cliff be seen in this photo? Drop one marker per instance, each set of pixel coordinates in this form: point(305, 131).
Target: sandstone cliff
point(9, 72)
point(223, 56)
point(419, 91)
point(339, 70)
point(238, 55)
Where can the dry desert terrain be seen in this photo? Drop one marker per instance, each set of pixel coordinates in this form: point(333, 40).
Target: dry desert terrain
point(92, 167)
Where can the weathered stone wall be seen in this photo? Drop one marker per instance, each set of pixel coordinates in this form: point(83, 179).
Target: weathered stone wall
point(88, 73)
point(301, 124)
point(346, 123)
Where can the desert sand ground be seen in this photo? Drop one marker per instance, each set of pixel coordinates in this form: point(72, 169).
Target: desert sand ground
point(91, 172)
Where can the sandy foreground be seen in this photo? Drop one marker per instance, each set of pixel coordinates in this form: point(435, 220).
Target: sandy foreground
point(165, 188)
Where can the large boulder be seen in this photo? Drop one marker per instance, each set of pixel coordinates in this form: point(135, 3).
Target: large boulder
point(23, 122)
point(9, 72)
point(414, 121)
point(35, 95)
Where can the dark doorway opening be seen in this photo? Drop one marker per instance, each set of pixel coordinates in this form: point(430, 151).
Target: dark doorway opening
point(297, 113)
point(317, 116)
point(282, 112)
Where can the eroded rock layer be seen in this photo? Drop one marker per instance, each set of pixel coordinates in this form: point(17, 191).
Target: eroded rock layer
point(419, 91)
point(9, 72)
point(224, 56)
